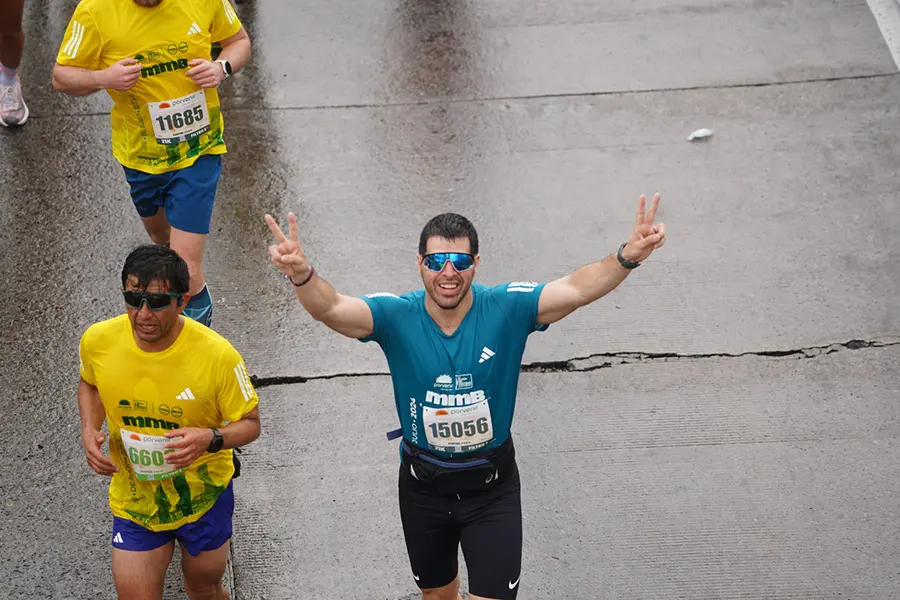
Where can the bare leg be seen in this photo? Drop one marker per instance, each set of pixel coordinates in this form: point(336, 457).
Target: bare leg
point(141, 575)
point(158, 227)
point(203, 573)
point(13, 110)
point(190, 247)
point(448, 592)
point(12, 37)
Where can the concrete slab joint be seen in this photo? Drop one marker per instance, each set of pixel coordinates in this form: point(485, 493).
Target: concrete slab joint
point(603, 360)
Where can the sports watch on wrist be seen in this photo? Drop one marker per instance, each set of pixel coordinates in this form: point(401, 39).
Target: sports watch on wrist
point(226, 67)
point(628, 264)
point(216, 444)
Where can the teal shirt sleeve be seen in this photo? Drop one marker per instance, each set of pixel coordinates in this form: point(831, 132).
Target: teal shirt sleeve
point(387, 310)
point(519, 301)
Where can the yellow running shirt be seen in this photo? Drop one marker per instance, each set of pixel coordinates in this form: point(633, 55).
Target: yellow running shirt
point(199, 381)
point(166, 120)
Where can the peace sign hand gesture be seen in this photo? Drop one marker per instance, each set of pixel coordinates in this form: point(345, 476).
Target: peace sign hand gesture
point(646, 236)
point(288, 254)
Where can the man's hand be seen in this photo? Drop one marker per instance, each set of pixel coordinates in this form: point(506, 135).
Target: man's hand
point(193, 443)
point(646, 236)
point(288, 254)
point(206, 74)
point(121, 75)
point(92, 441)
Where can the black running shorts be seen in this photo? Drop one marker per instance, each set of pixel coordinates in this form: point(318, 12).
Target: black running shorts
point(487, 524)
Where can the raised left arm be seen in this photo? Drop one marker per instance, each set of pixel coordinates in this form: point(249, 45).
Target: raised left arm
point(563, 296)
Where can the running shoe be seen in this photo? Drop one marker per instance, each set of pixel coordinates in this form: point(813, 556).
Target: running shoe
point(13, 110)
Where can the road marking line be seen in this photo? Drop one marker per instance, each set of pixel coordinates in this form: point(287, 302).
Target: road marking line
point(887, 15)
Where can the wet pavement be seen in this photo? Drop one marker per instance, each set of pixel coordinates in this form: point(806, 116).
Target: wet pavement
point(743, 442)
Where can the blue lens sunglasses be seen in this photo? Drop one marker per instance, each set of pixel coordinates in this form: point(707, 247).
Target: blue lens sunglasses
point(435, 262)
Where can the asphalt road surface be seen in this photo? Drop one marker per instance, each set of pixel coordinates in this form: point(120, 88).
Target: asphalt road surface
point(722, 426)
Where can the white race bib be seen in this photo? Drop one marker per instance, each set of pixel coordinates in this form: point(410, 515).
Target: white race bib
point(179, 120)
point(147, 455)
point(458, 428)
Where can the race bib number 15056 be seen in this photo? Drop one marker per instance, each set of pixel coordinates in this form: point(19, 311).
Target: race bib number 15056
point(458, 429)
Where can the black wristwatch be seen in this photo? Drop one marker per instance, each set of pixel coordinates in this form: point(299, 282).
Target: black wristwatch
point(628, 264)
point(226, 67)
point(216, 444)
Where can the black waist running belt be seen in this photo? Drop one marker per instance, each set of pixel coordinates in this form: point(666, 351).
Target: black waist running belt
point(460, 475)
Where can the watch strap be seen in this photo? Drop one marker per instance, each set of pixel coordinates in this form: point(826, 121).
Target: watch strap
point(226, 67)
point(628, 264)
point(217, 442)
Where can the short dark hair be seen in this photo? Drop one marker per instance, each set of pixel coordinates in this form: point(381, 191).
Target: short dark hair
point(449, 226)
point(152, 261)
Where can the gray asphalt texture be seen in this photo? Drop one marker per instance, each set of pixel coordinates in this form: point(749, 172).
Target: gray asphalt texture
point(724, 425)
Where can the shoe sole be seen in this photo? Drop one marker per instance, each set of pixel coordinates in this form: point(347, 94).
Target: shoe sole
point(18, 124)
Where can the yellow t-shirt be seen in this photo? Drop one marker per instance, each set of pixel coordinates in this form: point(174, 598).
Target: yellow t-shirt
point(199, 381)
point(166, 121)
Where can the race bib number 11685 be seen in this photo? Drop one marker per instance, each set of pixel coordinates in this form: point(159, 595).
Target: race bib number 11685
point(180, 120)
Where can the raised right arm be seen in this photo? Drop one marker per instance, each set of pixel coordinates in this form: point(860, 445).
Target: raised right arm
point(347, 315)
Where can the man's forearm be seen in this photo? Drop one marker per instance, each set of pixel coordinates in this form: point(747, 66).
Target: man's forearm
point(595, 280)
point(317, 296)
point(76, 81)
point(240, 433)
point(90, 407)
point(236, 53)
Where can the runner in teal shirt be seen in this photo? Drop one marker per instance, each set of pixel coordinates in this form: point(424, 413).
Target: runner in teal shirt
point(456, 393)
point(454, 349)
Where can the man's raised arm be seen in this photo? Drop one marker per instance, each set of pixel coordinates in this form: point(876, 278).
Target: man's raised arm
point(347, 315)
point(561, 297)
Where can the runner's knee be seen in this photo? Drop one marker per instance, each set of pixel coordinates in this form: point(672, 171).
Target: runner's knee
point(204, 590)
point(448, 592)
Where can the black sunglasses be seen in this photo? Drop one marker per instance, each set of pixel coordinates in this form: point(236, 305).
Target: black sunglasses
point(155, 300)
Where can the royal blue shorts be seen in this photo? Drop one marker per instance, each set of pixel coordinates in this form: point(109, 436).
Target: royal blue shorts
point(187, 194)
point(207, 533)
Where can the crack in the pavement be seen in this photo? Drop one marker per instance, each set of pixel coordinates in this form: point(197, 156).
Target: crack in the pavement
point(581, 94)
point(583, 364)
point(521, 97)
point(626, 358)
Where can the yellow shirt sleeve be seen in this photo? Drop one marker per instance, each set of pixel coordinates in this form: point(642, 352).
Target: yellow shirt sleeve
point(225, 22)
point(82, 44)
point(84, 356)
point(236, 395)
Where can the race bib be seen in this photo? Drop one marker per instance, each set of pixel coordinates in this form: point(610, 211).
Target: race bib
point(146, 453)
point(459, 428)
point(179, 120)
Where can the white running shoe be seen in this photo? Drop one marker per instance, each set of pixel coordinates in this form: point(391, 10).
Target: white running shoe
point(13, 111)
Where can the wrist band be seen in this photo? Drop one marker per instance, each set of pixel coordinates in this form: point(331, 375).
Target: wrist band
point(312, 271)
point(628, 264)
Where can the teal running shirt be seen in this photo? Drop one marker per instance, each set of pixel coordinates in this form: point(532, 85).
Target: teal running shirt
point(456, 394)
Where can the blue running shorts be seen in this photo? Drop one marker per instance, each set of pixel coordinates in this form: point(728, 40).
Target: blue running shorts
point(187, 195)
point(209, 532)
